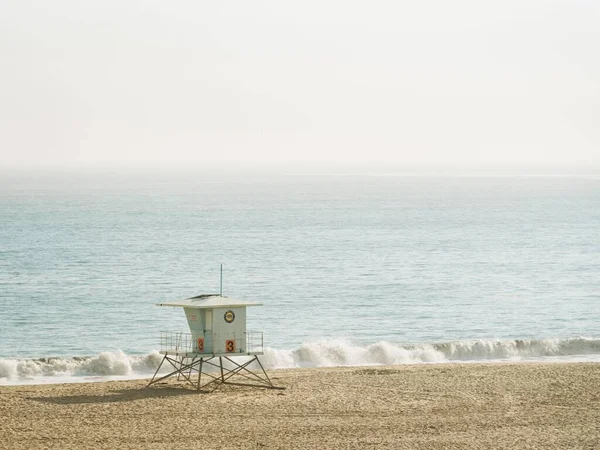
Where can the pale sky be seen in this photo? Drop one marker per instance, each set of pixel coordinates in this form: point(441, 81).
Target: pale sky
point(262, 83)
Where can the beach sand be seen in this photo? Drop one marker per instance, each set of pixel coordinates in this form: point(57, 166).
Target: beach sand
point(447, 406)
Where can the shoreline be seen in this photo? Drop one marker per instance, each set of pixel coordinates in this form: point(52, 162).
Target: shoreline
point(84, 379)
point(483, 405)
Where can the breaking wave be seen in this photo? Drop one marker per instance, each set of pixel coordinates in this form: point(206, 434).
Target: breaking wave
point(106, 364)
point(344, 353)
point(110, 365)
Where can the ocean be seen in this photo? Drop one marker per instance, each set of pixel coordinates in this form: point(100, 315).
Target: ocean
point(353, 269)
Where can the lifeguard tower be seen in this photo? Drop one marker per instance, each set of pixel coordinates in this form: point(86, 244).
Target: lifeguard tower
point(217, 335)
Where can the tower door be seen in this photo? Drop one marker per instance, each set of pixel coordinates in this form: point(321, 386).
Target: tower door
point(208, 320)
point(208, 335)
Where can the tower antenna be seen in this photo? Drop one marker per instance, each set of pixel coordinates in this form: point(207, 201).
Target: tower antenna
point(221, 288)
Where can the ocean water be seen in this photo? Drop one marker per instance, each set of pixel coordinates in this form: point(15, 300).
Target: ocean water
point(353, 269)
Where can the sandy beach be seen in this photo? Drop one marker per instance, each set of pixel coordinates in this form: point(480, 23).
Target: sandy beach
point(479, 406)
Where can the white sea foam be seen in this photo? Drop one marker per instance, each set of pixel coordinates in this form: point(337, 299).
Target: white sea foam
point(344, 353)
point(118, 365)
point(105, 364)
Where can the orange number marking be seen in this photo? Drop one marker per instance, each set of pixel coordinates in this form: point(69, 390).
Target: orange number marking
point(230, 346)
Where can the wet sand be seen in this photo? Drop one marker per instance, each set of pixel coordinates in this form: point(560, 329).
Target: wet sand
point(450, 406)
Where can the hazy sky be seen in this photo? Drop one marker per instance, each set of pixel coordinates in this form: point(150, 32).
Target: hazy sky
point(390, 83)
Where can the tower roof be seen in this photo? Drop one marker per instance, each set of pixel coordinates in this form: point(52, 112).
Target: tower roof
point(209, 301)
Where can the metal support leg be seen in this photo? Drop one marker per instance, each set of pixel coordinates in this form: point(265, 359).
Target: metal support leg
point(264, 371)
point(200, 374)
point(222, 376)
point(181, 364)
point(159, 366)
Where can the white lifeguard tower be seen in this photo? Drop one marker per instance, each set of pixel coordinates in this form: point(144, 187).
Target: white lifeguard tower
point(217, 333)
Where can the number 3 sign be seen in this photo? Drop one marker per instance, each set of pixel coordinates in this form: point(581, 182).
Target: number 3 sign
point(229, 346)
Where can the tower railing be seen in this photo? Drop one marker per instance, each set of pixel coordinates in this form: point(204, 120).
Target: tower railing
point(180, 342)
point(176, 341)
point(254, 341)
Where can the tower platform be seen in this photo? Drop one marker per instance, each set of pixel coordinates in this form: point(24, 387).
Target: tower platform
point(207, 371)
